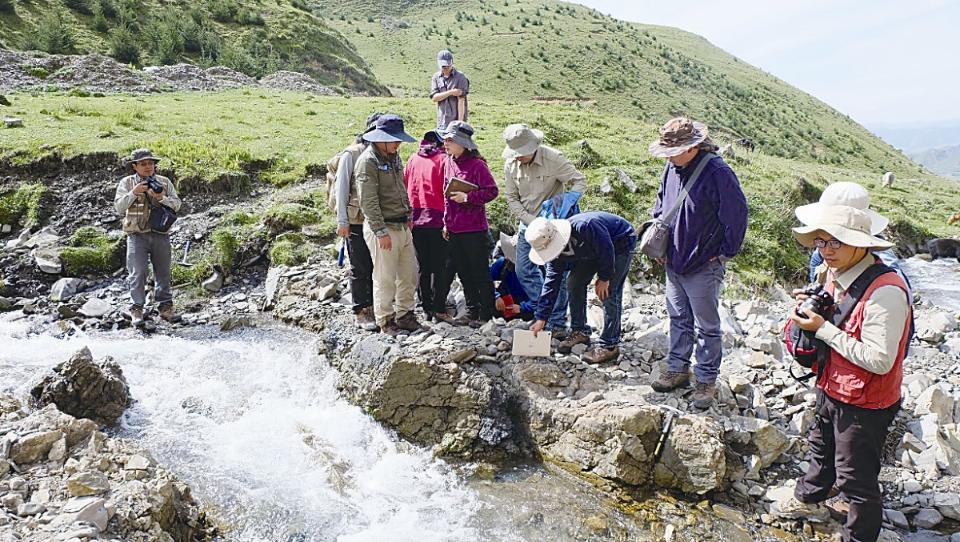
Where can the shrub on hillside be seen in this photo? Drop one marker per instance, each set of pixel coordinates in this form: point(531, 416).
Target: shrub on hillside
point(222, 11)
point(80, 6)
point(163, 40)
point(54, 35)
point(107, 8)
point(249, 17)
point(123, 45)
point(6, 6)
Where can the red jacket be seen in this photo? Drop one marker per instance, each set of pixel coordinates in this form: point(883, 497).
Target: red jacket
point(424, 179)
point(851, 384)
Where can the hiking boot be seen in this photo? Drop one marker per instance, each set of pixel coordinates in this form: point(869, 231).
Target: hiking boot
point(408, 322)
point(575, 338)
point(793, 508)
point(167, 314)
point(366, 320)
point(390, 328)
point(703, 395)
point(463, 320)
point(601, 354)
point(136, 316)
point(671, 380)
point(443, 317)
point(559, 333)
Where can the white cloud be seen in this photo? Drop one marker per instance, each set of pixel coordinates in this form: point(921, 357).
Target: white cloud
point(881, 61)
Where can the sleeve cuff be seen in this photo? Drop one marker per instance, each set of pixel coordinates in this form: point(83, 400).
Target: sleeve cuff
point(827, 332)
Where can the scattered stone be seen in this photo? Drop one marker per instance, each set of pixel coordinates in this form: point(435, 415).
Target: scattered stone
point(13, 122)
point(96, 308)
point(83, 484)
point(64, 289)
point(927, 518)
point(235, 322)
point(48, 260)
point(296, 82)
point(214, 283)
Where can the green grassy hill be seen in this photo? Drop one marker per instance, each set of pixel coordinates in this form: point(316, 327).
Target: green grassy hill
point(256, 37)
point(543, 50)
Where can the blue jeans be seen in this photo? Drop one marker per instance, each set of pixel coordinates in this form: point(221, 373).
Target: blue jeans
point(531, 278)
point(693, 303)
point(577, 282)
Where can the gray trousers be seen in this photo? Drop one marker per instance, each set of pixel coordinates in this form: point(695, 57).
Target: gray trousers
point(156, 247)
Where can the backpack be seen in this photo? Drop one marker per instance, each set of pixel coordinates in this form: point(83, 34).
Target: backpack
point(332, 164)
point(812, 353)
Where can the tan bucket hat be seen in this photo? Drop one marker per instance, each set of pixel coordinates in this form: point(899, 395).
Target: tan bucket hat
point(547, 239)
point(844, 193)
point(521, 140)
point(677, 136)
point(849, 225)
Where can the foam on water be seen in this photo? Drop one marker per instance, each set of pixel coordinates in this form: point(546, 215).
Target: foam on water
point(253, 422)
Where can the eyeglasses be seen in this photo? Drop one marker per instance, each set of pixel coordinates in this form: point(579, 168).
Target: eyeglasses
point(832, 243)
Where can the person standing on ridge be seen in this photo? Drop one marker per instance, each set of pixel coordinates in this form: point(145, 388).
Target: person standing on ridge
point(449, 88)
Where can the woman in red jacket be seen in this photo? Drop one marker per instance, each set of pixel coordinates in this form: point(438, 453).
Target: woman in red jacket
point(471, 187)
point(424, 179)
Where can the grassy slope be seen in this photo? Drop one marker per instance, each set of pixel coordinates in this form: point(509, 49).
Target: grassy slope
point(517, 50)
point(301, 41)
point(206, 135)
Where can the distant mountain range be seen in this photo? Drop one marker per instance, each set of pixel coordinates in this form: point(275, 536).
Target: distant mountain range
point(914, 138)
point(943, 161)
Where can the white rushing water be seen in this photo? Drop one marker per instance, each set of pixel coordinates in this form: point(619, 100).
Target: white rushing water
point(937, 282)
point(252, 421)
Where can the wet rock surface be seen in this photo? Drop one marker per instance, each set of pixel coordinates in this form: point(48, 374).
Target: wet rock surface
point(62, 479)
point(86, 388)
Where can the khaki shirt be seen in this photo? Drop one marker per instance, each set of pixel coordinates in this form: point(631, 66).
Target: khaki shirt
point(383, 194)
point(884, 318)
point(135, 209)
point(529, 185)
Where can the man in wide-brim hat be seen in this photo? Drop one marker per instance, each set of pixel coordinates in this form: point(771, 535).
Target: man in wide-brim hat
point(592, 244)
point(533, 174)
point(708, 227)
point(858, 385)
point(386, 229)
point(135, 195)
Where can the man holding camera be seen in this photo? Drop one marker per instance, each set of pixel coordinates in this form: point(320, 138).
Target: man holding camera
point(859, 371)
point(136, 195)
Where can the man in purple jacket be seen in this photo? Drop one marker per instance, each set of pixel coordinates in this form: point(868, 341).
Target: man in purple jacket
point(708, 231)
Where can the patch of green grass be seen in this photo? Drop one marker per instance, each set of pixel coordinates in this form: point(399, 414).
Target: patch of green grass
point(290, 216)
point(91, 251)
point(290, 249)
point(22, 204)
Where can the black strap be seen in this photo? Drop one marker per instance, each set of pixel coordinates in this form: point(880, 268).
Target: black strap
point(851, 297)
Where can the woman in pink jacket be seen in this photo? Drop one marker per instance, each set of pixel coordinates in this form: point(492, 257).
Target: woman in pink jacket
point(465, 219)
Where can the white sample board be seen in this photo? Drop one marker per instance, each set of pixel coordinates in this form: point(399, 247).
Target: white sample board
point(526, 345)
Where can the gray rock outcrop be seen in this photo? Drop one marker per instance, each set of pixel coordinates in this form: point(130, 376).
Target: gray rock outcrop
point(86, 388)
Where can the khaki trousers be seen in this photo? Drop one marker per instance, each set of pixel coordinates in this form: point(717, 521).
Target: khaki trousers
point(394, 274)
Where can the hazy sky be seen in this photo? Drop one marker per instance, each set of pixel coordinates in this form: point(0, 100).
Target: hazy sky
point(881, 62)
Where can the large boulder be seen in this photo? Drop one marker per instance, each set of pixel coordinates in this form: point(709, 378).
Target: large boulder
point(693, 459)
point(85, 388)
point(455, 407)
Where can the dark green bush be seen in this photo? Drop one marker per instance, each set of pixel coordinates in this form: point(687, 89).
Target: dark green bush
point(80, 6)
point(123, 45)
point(55, 36)
point(7, 6)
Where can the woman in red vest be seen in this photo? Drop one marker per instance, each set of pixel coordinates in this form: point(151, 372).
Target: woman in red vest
point(858, 384)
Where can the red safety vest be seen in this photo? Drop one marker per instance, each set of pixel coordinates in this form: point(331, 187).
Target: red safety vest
point(852, 384)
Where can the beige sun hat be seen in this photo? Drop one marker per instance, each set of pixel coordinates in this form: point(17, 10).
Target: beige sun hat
point(508, 245)
point(521, 140)
point(547, 239)
point(849, 225)
point(677, 136)
point(844, 193)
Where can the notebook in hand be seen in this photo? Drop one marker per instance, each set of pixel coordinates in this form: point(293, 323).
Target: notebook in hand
point(459, 185)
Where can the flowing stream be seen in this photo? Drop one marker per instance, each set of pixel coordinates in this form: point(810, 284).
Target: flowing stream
point(253, 422)
point(937, 281)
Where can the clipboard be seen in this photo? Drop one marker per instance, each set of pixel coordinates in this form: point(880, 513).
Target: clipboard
point(459, 185)
point(526, 345)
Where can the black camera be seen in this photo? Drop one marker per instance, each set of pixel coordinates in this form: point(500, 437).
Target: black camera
point(154, 185)
point(818, 301)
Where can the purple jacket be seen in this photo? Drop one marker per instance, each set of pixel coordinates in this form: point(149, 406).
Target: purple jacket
point(470, 216)
point(712, 221)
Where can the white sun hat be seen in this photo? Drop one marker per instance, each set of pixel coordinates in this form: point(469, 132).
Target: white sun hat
point(547, 239)
point(849, 225)
point(844, 193)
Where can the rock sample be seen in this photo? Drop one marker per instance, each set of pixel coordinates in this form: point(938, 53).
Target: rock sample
point(85, 388)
